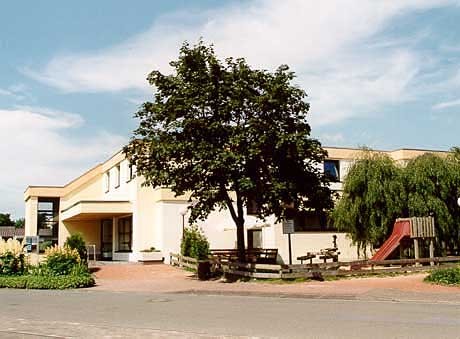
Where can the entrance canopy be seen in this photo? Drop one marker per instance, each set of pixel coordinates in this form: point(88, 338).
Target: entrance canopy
point(96, 209)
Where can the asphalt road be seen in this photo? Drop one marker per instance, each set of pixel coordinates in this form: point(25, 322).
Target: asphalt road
point(97, 314)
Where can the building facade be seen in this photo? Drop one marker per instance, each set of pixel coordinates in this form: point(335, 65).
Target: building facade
point(114, 212)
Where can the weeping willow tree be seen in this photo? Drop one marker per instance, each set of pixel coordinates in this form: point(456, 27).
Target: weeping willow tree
point(433, 185)
point(373, 197)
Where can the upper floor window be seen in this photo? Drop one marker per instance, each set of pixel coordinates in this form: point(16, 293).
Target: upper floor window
point(107, 181)
point(332, 170)
point(117, 176)
point(131, 172)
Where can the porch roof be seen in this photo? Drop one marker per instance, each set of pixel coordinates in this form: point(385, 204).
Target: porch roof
point(96, 209)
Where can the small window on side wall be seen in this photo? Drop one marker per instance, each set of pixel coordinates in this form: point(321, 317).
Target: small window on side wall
point(107, 181)
point(117, 176)
point(131, 173)
point(332, 170)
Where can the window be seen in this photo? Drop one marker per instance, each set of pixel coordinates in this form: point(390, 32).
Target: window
point(107, 181)
point(48, 219)
point(131, 173)
point(332, 170)
point(125, 231)
point(252, 207)
point(254, 238)
point(117, 176)
point(312, 221)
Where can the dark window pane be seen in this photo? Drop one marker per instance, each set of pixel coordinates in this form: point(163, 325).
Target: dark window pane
point(332, 170)
point(125, 234)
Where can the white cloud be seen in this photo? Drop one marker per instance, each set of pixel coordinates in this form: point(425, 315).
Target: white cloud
point(446, 104)
point(330, 45)
point(17, 92)
point(37, 149)
point(331, 138)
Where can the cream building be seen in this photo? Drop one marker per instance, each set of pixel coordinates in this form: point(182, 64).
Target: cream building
point(114, 212)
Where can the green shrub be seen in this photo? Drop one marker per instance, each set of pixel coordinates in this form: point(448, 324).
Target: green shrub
point(11, 264)
point(76, 279)
point(445, 276)
point(76, 241)
point(44, 245)
point(61, 260)
point(194, 243)
point(11, 257)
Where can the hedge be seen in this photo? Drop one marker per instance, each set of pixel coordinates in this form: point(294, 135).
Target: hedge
point(46, 282)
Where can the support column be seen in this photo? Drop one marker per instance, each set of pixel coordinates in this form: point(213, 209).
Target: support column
point(431, 251)
point(31, 216)
point(416, 250)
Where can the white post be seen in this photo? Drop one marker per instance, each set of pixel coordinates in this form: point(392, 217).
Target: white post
point(431, 251)
point(416, 250)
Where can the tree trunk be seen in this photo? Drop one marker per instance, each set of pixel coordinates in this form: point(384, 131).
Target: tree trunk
point(240, 242)
point(238, 218)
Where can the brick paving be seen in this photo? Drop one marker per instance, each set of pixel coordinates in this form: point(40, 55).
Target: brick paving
point(162, 278)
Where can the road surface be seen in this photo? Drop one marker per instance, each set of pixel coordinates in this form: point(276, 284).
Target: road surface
point(96, 314)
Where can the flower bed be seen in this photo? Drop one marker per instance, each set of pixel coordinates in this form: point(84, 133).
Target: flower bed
point(63, 268)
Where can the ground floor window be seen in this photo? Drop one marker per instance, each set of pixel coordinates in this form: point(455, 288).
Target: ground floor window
point(254, 238)
point(313, 221)
point(125, 234)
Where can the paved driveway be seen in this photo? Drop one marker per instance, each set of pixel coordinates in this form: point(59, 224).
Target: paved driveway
point(167, 279)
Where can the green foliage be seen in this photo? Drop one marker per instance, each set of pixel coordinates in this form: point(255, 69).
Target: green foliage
point(151, 249)
point(433, 185)
point(373, 197)
point(61, 261)
point(5, 219)
point(194, 243)
point(76, 241)
point(377, 191)
point(44, 245)
point(20, 223)
point(219, 129)
point(445, 276)
point(11, 264)
point(40, 278)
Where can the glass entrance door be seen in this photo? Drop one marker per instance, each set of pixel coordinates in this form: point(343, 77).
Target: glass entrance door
point(106, 239)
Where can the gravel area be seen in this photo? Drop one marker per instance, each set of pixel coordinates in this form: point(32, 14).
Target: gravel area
point(162, 278)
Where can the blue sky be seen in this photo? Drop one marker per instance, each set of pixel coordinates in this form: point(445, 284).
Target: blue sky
point(385, 74)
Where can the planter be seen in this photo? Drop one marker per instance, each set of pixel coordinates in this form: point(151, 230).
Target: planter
point(204, 270)
point(155, 256)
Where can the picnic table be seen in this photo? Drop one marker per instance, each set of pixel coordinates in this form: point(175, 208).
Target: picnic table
point(325, 254)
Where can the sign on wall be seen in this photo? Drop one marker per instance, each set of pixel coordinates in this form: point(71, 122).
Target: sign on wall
point(31, 241)
point(288, 226)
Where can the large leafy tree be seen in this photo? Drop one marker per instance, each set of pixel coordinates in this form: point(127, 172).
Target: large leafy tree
point(433, 185)
point(373, 197)
point(5, 220)
point(229, 135)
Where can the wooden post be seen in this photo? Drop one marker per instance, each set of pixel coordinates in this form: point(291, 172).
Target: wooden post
point(290, 249)
point(431, 251)
point(416, 250)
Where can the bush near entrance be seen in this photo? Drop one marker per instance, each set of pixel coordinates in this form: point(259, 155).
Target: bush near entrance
point(194, 243)
point(62, 268)
point(76, 242)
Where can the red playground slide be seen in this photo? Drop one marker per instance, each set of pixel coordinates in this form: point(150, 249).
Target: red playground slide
point(401, 229)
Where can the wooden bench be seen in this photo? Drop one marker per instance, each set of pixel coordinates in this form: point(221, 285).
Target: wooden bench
point(308, 256)
point(254, 255)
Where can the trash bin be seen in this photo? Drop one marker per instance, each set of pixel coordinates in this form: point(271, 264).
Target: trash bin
point(204, 270)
